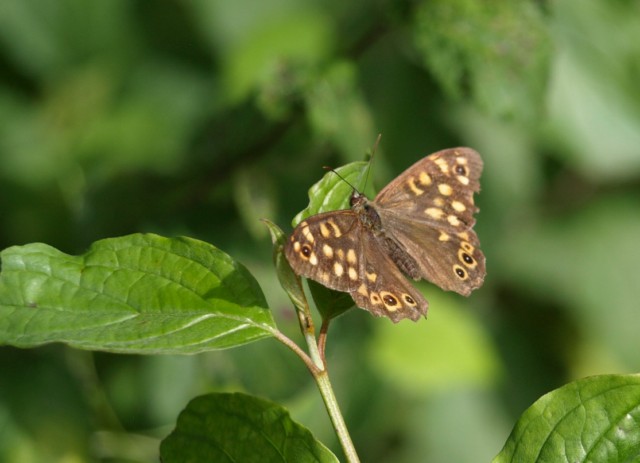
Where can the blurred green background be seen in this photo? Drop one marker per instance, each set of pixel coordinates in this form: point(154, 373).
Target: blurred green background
point(200, 117)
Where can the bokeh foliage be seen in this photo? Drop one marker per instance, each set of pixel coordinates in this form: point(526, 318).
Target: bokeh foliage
point(199, 118)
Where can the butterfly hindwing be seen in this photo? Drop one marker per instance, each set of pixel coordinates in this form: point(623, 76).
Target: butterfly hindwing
point(383, 289)
point(450, 260)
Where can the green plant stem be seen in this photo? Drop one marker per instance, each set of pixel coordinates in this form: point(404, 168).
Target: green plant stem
point(308, 361)
point(317, 367)
point(322, 339)
point(308, 330)
point(329, 398)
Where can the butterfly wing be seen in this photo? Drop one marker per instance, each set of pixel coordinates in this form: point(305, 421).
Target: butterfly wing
point(335, 250)
point(325, 247)
point(452, 261)
point(428, 210)
point(383, 290)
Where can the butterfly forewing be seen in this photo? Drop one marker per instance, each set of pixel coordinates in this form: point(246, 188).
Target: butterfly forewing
point(429, 210)
point(325, 247)
point(336, 250)
point(437, 190)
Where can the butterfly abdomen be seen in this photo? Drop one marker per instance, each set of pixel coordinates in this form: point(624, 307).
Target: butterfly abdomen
point(407, 264)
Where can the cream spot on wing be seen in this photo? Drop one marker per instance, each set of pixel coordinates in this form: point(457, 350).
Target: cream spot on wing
point(313, 259)
point(434, 212)
point(340, 254)
point(440, 202)
point(338, 269)
point(442, 164)
point(424, 178)
point(327, 251)
point(307, 234)
point(372, 277)
point(467, 260)
point(453, 220)
point(462, 179)
point(444, 236)
point(409, 300)
point(390, 301)
point(336, 230)
point(351, 257)
point(467, 247)
point(458, 206)
point(296, 246)
point(461, 160)
point(412, 185)
point(324, 276)
point(463, 236)
point(305, 251)
point(353, 274)
point(324, 230)
point(460, 272)
point(363, 290)
point(445, 189)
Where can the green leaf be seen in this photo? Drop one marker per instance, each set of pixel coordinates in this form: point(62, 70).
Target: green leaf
point(289, 281)
point(140, 293)
point(330, 303)
point(591, 420)
point(240, 428)
point(333, 192)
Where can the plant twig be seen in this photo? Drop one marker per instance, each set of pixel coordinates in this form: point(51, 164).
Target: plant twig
point(322, 338)
point(311, 364)
point(330, 402)
point(319, 372)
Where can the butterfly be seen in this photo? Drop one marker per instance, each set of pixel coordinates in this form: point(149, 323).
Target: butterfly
point(419, 226)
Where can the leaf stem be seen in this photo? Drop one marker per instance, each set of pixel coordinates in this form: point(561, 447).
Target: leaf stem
point(330, 402)
point(315, 358)
point(322, 338)
point(308, 361)
point(309, 331)
point(317, 367)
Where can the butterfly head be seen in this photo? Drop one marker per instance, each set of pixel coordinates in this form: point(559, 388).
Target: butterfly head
point(365, 211)
point(357, 199)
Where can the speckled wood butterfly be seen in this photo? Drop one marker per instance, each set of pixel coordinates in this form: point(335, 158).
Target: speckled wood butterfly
point(419, 225)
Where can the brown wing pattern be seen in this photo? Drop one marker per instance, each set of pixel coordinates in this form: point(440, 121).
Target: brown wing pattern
point(337, 251)
point(383, 289)
point(452, 261)
point(429, 210)
point(326, 248)
point(423, 223)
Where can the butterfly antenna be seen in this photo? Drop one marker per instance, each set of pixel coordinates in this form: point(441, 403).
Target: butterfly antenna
point(366, 179)
point(331, 169)
point(373, 151)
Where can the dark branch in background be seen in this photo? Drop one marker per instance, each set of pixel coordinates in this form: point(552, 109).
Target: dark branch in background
point(221, 139)
point(221, 142)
